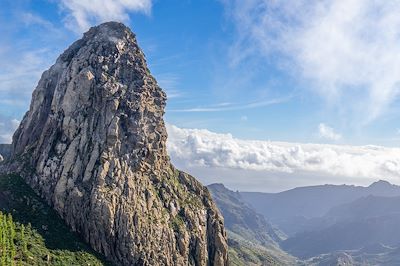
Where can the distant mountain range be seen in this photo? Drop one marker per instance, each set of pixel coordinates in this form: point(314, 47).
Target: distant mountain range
point(291, 210)
point(367, 221)
point(325, 225)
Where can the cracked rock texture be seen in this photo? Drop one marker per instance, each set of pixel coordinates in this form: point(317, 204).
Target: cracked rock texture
point(93, 144)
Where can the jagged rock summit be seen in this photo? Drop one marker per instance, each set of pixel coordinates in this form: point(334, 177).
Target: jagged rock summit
point(93, 144)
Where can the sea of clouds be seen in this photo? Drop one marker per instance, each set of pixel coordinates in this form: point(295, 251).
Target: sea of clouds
point(199, 148)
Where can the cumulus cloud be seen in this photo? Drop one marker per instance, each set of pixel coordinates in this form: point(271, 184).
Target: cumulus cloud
point(326, 132)
point(84, 13)
point(346, 50)
point(191, 148)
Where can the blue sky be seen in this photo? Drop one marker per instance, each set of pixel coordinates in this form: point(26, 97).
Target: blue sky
point(293, 71)
point(219, 74)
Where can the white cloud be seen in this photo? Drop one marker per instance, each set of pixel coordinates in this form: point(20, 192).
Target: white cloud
point(200, 148)
point(14, 123)
point(24, 57)
point(19, 73)
point(232, 106)
point(84, 13)
point(7, 128)
point(31, 19)
point(327, 132)
point(170, 83)
point(347, 50)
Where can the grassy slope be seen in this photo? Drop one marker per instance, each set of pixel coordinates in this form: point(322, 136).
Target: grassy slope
point(245, 252)
point(251, 239)
point(49, 240)
point(241, 253)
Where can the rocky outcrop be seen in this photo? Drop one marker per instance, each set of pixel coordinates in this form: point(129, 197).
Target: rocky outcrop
point(5, 151)
point(93, 144)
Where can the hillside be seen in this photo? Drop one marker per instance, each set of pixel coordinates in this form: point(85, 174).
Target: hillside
point(241, 219)
point(365, 207)
point(252, 240)
point(41, 237)
point(367, 222)
point(384, 256)
point(292, 210)
point(242, 252)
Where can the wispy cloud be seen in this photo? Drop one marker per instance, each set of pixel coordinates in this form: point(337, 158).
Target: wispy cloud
point(328, 133)
point(223, 107)
point(345, 50)
point(81, 14)
point(170, 83)
point(29, 44)
point(29, 19)
point(19, 76)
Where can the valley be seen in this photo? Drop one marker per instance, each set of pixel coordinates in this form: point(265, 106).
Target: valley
point(317, 225)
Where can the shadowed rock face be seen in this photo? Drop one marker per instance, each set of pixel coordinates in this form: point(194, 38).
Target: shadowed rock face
point(93, 144)
point(5, 151)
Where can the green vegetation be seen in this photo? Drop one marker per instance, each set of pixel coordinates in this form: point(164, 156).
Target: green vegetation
point(178, 223)
point(246, 253)
point(7, 239)
point(32, 233)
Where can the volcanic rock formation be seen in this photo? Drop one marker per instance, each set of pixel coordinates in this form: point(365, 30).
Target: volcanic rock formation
point(93, 145)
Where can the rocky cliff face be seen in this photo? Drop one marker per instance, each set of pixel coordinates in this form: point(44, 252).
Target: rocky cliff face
point(5, 151)
point(93, 145)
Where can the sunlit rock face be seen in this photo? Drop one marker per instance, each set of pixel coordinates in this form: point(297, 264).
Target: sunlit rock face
point(93, 144)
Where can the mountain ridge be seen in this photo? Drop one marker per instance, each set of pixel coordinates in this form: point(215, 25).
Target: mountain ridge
point(365, 224)
point(298, 205)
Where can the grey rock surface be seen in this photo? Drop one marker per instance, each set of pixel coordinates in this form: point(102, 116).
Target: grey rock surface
point(5, 151)
point(93, 144)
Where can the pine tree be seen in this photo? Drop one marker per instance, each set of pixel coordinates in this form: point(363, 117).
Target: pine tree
point(13, 251)
point(23, 241)
point(4, 242)
point(8, 235)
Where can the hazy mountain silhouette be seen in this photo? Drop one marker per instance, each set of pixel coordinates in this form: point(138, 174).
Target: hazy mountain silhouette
point(293, 210)
point(327, 225)
point(365, 224)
